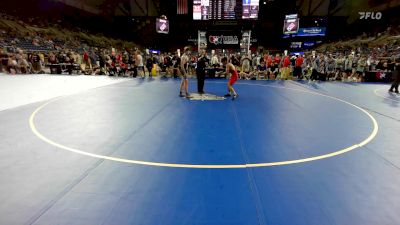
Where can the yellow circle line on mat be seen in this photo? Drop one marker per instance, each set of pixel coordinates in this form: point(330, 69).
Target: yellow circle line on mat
point(222, 166)
point(379, 95)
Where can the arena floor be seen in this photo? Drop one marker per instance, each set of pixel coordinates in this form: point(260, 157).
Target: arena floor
point(96, 150)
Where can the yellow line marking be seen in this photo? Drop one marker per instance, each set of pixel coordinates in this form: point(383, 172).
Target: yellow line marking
point(377, 94)
point(222, 166)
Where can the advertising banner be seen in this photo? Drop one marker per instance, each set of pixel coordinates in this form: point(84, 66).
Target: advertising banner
point(162, 26)
point(312, 31)
point(223, 40)
point(291, 24)
point(309, 32)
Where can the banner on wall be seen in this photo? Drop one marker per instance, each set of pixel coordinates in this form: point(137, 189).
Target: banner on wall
point(223, 39)
point(309, 32)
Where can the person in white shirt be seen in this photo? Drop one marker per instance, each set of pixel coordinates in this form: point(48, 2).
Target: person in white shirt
point(139, 63)
point(215, 61)
point(246, 70)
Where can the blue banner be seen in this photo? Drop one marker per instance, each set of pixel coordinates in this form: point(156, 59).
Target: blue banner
point(308, 44)
point(312, 31)
point(309, 32)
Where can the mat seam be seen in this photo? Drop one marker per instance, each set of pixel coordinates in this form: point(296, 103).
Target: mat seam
point(253, 186)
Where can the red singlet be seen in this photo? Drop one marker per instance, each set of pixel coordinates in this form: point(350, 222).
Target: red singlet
point(234, 77)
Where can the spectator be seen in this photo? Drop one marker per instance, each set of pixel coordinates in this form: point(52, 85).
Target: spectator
point(139, 63)
point(235, 60)
point(330, 67)
point(361, 66)
point(164, 67)
point(254, 61)
point(55, 68)
point(36, 64)
point(149, 64)
point(322, 68)
point(111, 67)
point(246, 71)
point(273, 70)
point(3, 61)
point(298, 67)
point(269, 61)
point(262, 70)
point(86, 62)
point(277, 60)
point(339, 64)
point(314, 64)
point(215, 61)
point(176, 60)
point(12, 65)
point(396, 77)
point(22, 63)
point(131, 65)
point(348, 67)
point(69, 63)
point(285, 69)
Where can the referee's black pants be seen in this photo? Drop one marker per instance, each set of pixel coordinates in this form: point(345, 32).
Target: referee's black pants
point(201, 76)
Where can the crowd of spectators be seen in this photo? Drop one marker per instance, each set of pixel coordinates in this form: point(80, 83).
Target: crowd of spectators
point(27, 49)
point(352, 65)
point(365, 58)
point(341, 66)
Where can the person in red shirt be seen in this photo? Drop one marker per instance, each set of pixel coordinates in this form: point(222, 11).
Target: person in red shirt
point(266, 56)
point(119, 58)
point(277, 59)
point(286, 61)
point(269, 61)
point(86, 57)
point(87, 65)
point(285, 69)
point(298, 65)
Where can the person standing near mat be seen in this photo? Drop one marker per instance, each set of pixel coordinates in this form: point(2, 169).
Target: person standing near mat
point(396, 77)
point(139, 64)
point(184, 66)
point(230, 69)
point(202, 63)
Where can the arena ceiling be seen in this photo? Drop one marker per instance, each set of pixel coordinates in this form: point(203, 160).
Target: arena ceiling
point(134, 8)
point(347, 8)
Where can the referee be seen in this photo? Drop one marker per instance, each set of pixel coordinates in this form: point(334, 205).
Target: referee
point(202, 63)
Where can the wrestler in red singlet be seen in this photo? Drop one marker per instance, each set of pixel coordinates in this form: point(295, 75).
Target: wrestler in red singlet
point(234, 76)
point(230, 69)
